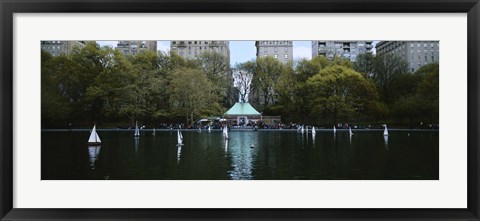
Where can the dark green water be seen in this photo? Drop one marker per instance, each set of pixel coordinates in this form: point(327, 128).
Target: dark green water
point(277, 155)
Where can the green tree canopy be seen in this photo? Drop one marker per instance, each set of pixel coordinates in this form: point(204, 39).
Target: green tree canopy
point(191, 95)
point(387, 69)
point(337, 92)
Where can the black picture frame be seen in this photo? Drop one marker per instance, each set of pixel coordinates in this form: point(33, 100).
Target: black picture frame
point(9, 7)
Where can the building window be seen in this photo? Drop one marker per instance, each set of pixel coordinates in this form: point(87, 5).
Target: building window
point(411, 45)
point(425, 58)
point(418, 45)
point(276, 56)
point(265, 50)
point(275, 49)
point(286, 56)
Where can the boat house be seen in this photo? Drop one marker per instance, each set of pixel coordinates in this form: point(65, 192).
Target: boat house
point(242, 114)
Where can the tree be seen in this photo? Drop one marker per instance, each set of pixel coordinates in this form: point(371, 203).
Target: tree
point(307, 68)
point(428, 90)
point(191, 95)
point(285, 94)
point(55, 107)
point(267, 72)
point(337, 92)
point(422, 103)
point(114, 87)
point(216, 67)
point(386, 70)
point(364, 64)
point(243, 75)
point(304, 70)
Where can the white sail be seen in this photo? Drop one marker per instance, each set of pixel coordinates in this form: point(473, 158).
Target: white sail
point(350, 131)
point(137, 131)
point(209, 128)
point(302, 130)
point(94, 138)
point(313, 131)
point(334, 129)
point(385, 132)
point(153, 131)
point(179, 137)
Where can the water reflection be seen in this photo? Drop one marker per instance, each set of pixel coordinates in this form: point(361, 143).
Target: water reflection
point(242, 152)
point(93, 153)
point(225, 146)
point(179, 153)
point(137, 141)
point(307, 135)
point(260, 155)
point(385, 139)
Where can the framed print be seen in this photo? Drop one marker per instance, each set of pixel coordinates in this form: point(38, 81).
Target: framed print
point(233, 110)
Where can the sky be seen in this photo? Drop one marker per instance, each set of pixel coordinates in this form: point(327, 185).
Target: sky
point(241, 51)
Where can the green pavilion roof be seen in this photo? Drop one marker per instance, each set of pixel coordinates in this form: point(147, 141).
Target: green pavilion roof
point(242, 108)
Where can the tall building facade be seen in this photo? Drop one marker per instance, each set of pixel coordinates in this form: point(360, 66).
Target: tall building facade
point(341, 49)
point(57, 48)
point(416, 53)
point(281, 50)
point(192, 48)
point(133, 47)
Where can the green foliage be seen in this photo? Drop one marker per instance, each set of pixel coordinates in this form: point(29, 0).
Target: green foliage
point(103, 85)
point(387, 69)
point(216, 68)
point(191, 95)
point(337, 93)
point(364, 64)
point(422, 104)
point(266, 74)
point(55, 107)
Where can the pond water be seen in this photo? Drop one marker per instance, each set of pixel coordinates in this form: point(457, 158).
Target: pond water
point(247, 155)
